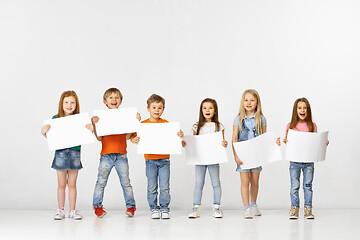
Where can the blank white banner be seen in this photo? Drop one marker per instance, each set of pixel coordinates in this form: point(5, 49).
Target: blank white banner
point(306, 146)
point(116, 121)
point(258, 151)
point(159, 138)
point(69, 131)
point(205, 149)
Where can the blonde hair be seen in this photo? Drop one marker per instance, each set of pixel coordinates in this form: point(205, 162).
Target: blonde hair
point(65, 94)
point(111, 91)
point(258, 121)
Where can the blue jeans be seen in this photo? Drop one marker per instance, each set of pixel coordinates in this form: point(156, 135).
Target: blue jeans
point(200, 171)
point(158, 169)
point(308, 173)
point(107, 162)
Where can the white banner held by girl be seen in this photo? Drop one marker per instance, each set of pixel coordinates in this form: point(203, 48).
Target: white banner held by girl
point(258, 151)
point(205, 149)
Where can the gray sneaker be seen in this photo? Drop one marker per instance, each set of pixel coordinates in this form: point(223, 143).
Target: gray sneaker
point(165, 214)
point(75, 214)
point(59, 215)
point(155, 214)
point(195, 213)
point(255, 210)
point(248, 214)
point(217, 213)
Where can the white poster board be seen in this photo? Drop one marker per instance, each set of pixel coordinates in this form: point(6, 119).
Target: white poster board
point(306, 146)
point(69, 131)
point(205, 149)
point(258, 151)
point(116, 121)
point(159, 138)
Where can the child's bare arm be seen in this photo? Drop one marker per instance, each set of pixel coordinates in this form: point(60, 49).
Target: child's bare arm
point(94, 120)
point(45, 129)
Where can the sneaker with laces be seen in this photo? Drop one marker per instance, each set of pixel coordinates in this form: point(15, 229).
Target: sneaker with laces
point(155, 214)
point(165, 214)
point(75, 214)
point(308, 213)
point(195, 212)
point(60, 214)
point(248, 214)
point(255, 210)
point(217, 213)
point(294, 212)
point(130, 211)
point(99, 211)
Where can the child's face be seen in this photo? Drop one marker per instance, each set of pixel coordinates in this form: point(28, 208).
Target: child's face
point(250, 102)
point(113, 101)
point(302, 111)
point(208, 111)
point(69, 105)
point(156, 109)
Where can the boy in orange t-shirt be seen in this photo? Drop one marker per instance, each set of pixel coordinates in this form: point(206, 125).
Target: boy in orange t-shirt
point(157, 165)
point(113, 154)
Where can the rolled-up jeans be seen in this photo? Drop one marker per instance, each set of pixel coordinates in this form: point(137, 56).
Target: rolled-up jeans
point(308, 174)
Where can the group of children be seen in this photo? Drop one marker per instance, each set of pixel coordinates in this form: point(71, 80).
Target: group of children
point(248, 124)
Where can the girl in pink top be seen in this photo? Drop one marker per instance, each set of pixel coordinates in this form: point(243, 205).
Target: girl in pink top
point(301, 121)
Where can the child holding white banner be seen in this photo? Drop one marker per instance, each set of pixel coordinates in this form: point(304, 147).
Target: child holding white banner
point(249, 124)
point(301, 120)
point(208, 123)
point(157, 165)
point(113, 154)
point(67, 161)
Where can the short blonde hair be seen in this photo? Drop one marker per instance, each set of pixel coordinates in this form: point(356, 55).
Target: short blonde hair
point(111, 91)
point(155, 98)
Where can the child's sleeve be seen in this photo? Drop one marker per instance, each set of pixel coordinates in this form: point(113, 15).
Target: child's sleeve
point(236, 121)
point(263, 121)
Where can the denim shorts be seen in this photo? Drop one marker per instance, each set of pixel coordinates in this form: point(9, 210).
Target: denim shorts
point(258, 169)
point(67, 159)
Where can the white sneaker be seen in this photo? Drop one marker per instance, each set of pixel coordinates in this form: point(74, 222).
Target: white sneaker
point(155, 214)
point(165, 214)
point(217, 213)
point(248, 213)
point(195, 212)
point(75, 214)
point(59, 215)
point(255, 210)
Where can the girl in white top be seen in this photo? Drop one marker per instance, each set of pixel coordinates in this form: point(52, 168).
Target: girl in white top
point(208, 123)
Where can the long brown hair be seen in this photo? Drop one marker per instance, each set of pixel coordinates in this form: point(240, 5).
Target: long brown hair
point(295, 117)
point(258, 122)
point(65, 94)
point(214, 119)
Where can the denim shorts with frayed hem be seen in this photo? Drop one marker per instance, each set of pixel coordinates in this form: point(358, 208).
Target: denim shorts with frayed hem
point(67, 159)
point(258, 169)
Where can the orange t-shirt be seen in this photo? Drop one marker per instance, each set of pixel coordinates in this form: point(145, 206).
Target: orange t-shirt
point(155, 156)
point(113, 144)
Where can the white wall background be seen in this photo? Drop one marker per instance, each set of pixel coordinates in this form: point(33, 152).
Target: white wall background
point(184, 51)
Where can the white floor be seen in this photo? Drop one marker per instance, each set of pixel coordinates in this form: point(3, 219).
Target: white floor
point(274, 224)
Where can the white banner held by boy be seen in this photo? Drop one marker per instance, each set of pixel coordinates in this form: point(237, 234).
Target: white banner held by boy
point(116, 121)
point(159, 138)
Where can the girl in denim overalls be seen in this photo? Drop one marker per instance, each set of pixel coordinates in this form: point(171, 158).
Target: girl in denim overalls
point(208, 123)
point(301, 120)
point(249, 124)
point(67, 161)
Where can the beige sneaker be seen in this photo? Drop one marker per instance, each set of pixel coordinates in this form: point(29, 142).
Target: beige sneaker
point(294, 212)
point(308, 213)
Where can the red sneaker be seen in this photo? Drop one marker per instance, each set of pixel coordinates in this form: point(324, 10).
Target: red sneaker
point(99, 211)
point(130, 211)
